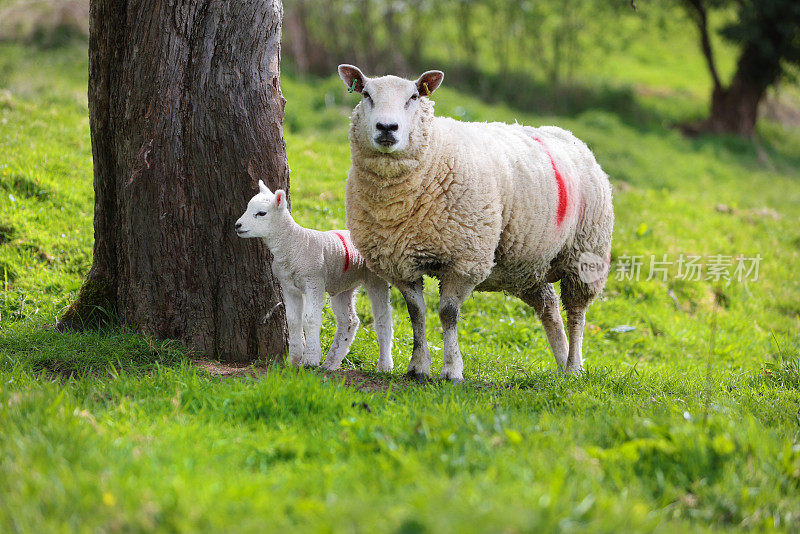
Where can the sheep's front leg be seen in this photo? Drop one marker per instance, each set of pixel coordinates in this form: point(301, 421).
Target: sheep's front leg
point(312, 323)
point(453, 291)
point(420, 365)
point(343, 306)
point(293, 301)
point(379, 296)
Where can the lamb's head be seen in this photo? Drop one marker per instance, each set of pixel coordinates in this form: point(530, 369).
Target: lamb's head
point(391, 109)
point(264, 212)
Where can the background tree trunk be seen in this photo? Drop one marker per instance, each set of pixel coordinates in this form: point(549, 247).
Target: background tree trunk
point(734, 109)
point(185, 112)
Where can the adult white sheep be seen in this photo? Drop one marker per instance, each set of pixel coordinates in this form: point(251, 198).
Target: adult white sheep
point(492, 207)
point(308, 263)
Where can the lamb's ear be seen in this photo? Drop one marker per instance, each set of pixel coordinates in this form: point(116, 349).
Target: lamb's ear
point(352, 77)
point(429, 82)
point(280, 198)
point(263, 188)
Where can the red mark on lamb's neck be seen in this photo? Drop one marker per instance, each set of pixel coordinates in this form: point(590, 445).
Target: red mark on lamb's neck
point(562, 189)
point(346, 252)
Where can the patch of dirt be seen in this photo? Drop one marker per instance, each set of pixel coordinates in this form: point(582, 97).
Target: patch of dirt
point(58, 372)
point(215, 368)
point(352, 378)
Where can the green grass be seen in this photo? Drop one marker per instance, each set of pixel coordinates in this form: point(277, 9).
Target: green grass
point(665, 431)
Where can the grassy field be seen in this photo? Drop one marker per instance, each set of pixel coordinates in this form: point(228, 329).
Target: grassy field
point(689, 420)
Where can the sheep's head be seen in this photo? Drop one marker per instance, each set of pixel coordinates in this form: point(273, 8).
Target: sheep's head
point(262, 213)
point(389, 111)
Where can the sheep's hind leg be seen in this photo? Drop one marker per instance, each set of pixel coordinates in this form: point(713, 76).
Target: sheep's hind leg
point(343, 306)
point(379, 296)
point(576, 296)
point(312, 324)
point(420, 365)
point(544, 300)
point(293, 301)
point(576, 319)
point(453, 291)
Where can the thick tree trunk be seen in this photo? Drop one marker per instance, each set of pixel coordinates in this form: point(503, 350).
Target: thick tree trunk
point(185, 112)
point(734, 110)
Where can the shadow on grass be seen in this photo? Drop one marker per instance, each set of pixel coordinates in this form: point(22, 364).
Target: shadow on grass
point(107, 352)
point(100, 353)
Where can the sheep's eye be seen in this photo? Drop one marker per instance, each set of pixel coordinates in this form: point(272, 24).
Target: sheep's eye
point(366, 95)
point(414, 96)
point(261, 213)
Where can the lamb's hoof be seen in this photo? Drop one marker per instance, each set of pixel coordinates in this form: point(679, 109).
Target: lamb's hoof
point(417, 376)
point(383, 368)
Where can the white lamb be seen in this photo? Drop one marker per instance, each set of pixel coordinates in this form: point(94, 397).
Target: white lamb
point(493, 207)
point(308, 263)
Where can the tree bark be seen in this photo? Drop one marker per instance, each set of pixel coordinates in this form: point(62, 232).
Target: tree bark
point(185, 114)
point(734, 109)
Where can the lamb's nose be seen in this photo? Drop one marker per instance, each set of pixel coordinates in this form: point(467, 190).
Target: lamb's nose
point(238, 225)
point(386, 127)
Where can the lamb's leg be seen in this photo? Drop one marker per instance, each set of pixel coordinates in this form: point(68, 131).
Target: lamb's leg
point(379, 296)
point(344, 309)
point(544, 301)
point(576, 319)
point(420, 365)
point(312, 324)
point(293, 301)
point(453, 291)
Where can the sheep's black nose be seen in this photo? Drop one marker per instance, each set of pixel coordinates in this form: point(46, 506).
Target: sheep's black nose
point(386, 127)
point(238, 225)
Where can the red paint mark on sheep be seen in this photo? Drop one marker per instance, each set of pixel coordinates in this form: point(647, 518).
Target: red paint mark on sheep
point(562, 189)
point(346, 252)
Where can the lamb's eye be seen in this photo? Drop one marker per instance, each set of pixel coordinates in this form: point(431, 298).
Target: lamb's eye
point(261, 213)
point(414, 96)
point(366, 96)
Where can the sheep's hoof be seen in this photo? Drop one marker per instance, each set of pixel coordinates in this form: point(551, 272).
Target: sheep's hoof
point(418, 377)
point(452, 378)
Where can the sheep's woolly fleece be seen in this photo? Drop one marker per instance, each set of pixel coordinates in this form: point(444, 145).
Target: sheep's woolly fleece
point(508, 206)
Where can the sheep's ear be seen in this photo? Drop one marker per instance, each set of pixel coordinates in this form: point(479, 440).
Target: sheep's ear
point(263, 188)
point(280, 198)
point(429, 82)
point(352, 77)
